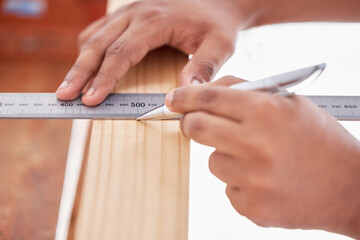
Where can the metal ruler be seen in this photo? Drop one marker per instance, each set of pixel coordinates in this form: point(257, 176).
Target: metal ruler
point(131, 106)
point(345, 108)
point(47, 106)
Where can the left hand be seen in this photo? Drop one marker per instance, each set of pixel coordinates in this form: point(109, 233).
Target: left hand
point(111, 45)
point(286, 162)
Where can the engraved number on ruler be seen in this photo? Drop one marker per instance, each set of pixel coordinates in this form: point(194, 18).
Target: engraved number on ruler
point(46, 105)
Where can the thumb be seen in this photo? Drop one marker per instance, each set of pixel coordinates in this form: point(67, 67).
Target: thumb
point(207, 60)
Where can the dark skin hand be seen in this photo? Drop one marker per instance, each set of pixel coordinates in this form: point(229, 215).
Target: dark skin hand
point(306, 172)
point(111, 45)
point(205, 28)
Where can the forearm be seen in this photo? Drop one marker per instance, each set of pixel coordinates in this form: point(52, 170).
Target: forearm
point(263, 12)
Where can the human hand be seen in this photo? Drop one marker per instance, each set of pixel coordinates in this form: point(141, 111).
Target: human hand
point(286, 162)
point(114, 43)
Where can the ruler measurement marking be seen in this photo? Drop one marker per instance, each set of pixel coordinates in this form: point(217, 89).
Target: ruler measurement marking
point(130, 106)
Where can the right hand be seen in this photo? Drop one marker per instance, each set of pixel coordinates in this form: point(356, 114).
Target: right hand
point(111, 45)
point(286, 162)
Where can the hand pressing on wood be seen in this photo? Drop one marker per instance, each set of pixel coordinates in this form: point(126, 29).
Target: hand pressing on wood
point(205, 28)
point(286, 162)
point(110, 46)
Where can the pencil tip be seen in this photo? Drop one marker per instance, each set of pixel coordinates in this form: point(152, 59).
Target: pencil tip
point(140, 118)
point(154, 114)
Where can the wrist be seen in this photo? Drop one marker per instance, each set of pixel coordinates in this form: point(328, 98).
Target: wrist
point(355, 222)
point(351, 227)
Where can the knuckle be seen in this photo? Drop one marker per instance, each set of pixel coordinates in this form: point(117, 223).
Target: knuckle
point(99, 79)
point(270, 103)
point(214, 159)
point(103, 77)
point(207, 98)
point(130, 54)
point(254, 209)
point(266, 105)
point(188, 37)
point(79, 69)
point(259, 185)
point(94, 42)
point(267, 155)
point(194, 125)
point(207, 68)
point(117, 49)
point(249, 207)
point(231, 191)
point(259, 213)
point(153, 13)
point(256, 213)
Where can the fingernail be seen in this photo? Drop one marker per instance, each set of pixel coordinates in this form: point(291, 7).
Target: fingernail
point(195, 82)
point(169, 98)
point(90, 92)
point(64, 84)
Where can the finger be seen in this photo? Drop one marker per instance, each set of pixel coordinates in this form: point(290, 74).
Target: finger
point(89, 60)
point(237, 197)
point(241, 201)
point(206, 61)
point(212, 130)
point(90, 30)
point(124, 53)
point(226, 81)
point(98, 24)
point(249, 204)
point(226, 168)
point(223, 101)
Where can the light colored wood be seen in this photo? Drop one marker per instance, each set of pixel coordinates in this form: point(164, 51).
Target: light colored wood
point(136, 177)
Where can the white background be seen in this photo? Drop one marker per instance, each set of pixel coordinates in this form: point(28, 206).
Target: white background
point(262, 52)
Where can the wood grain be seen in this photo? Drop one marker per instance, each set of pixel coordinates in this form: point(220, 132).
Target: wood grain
point(136, 178)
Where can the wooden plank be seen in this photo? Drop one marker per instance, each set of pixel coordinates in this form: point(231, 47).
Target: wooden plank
point(136, 178)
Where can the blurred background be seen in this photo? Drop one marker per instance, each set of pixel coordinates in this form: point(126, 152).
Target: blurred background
point(38, 45)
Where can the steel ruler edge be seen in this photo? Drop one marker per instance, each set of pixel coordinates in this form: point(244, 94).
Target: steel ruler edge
point(131, 106)
point(47, 106)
